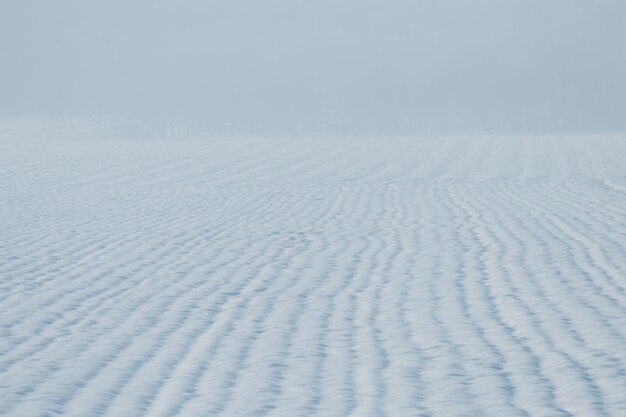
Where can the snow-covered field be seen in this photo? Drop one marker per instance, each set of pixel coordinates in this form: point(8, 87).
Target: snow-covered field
point(324, 277)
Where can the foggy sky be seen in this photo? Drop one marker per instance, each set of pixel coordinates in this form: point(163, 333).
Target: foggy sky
point(345, 65)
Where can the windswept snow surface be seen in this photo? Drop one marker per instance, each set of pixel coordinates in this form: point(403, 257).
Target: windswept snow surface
point(444, 277)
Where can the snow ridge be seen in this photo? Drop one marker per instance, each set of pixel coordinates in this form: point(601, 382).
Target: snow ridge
point(323, 277)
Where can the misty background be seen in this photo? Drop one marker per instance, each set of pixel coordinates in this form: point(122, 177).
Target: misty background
point(319, 66)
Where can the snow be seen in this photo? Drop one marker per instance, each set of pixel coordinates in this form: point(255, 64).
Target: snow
point(443, 276)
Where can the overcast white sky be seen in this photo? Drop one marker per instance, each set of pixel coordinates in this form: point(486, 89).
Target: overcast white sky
point(358, 65)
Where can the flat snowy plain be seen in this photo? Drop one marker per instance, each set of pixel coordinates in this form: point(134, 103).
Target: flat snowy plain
point(480, 276)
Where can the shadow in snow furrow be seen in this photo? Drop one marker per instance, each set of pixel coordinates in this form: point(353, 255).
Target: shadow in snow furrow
point(611, 308)
point(220, 298)
point(313, 350)
point(51, 319)
point(116, 245)
point(447, 314)
point(411, 227)
point(183, 392)
point(488, 364)
point(224, 330)
point(598, 347)
point(531, 381)
point(591, 250)
point(556, 359)
point(296, 298)
point(260, 332)
point(131, 333)
point(166, 258)
point(401, 359)
point(153, 397)
point(378, 280)
point(512, 295)
point(290, 298)
point(573, 262)
point(329, 252)
point(364, 364)
point(108, 291)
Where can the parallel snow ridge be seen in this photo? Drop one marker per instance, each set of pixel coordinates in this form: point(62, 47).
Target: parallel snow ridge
point(477, 276)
